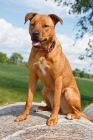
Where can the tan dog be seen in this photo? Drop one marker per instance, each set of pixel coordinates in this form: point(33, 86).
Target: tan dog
point(48, 63)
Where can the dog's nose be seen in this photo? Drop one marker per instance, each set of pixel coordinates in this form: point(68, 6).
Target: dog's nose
point(35, 33)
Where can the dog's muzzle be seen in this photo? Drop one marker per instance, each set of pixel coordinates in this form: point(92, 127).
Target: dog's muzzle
point(35, 39)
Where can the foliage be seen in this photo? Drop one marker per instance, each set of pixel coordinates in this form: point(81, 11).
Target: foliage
point(16, 58)
point(3, 57)
point(83, 9)
point(82, 74)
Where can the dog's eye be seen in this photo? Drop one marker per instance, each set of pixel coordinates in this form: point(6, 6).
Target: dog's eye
point(45, 26)
point(32, 24)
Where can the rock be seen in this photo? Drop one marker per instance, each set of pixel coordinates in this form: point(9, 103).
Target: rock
point(89, 110)
point(35, 128)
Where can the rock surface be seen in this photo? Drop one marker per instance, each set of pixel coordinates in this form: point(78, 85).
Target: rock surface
point(35, 128)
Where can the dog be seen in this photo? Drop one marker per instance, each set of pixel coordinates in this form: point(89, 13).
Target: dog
point(48, 63)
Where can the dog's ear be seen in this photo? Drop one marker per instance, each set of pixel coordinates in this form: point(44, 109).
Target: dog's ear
point(55, 18)
point(29, 16)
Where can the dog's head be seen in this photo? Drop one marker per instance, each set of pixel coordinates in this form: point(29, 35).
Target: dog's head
point(41, 27)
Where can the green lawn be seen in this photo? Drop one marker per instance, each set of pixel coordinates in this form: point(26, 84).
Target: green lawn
point(14, 85)
point(86, 89)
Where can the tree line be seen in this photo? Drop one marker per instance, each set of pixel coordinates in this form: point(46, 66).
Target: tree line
point(15, 58)
point(82, 74)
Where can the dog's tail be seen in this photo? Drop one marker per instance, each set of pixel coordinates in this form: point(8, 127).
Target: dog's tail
point(82, 114)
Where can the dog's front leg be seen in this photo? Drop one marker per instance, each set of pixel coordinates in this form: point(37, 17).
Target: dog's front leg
point(31, 90)
point(56, 103)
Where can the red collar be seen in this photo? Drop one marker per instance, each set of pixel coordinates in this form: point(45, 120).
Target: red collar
point(49, 49)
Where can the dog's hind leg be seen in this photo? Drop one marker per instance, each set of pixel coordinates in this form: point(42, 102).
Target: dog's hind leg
point(48, 97)
point(70, 103)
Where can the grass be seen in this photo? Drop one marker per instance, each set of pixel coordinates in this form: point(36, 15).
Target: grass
point(14, 86)
point(86, 89)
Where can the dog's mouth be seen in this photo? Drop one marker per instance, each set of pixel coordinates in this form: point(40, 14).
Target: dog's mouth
point(38, 43)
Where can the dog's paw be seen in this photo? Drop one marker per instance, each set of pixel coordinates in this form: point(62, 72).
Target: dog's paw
point(52, 121)
point(69, 117)
point(21, 118)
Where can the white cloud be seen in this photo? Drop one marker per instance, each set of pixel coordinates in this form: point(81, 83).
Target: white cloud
point(73, 52)
point(14, 39)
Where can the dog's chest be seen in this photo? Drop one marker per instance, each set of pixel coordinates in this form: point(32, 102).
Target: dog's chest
point(42, 67)
point(43, 70)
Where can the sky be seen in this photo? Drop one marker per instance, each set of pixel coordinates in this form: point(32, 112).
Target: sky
point(14, 35)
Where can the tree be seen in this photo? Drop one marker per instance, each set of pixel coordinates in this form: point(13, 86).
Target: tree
point(16, 58)
point(81, 74)
point(85, 22)
point(3, 57)
point(74, 73)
